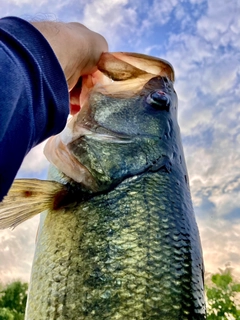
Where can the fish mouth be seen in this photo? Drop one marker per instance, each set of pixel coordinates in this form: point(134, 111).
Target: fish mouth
point(120, 75)
point(63, 157)
point(119, 72)
point(113, 138)
point(58, 153)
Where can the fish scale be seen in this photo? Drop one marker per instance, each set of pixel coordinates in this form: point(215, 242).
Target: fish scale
point(126, 254)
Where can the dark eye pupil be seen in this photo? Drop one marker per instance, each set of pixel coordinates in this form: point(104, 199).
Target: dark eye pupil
point(159, 100)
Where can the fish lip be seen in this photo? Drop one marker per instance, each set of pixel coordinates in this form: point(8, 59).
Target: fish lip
point(91, 130)
point(112, 138)
point(109, 135)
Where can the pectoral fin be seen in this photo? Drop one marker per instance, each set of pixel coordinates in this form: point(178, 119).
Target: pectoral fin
point(27, 198)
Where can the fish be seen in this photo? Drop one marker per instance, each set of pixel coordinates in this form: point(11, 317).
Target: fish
point(118, 238)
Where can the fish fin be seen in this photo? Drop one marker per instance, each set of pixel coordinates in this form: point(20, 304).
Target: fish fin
point(27, 198)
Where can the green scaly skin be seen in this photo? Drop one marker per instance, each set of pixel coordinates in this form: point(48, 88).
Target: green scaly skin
point(123, 255)
point(132, 251)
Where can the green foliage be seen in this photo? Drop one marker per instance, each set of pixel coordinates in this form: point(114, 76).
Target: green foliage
point(13, 300)
point(6, 314)
point(221, 297)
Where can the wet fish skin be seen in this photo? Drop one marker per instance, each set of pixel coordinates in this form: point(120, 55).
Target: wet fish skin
point(128, 135)
point(121, 255)
point(133, 250)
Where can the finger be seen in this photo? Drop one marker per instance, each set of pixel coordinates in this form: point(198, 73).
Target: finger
point(80, 92)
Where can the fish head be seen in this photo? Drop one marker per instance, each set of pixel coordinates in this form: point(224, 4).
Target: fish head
point(126, 126)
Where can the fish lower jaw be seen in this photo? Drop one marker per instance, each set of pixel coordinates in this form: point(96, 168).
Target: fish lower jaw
point(108, 137)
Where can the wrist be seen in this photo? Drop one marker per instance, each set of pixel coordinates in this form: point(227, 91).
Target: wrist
point(55, 34)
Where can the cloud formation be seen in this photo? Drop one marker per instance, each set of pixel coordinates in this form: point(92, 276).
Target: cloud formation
point(16, 251)
point(35, 161)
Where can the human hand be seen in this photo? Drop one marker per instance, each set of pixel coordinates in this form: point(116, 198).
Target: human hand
point(78, 50)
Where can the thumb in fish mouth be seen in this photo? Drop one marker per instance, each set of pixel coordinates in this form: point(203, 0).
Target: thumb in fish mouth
point(74, 96)
point(81, 91)
point(112, 67)
point(119, 67)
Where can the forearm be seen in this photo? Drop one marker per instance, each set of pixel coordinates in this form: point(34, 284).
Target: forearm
point(77, 48)
point(40, 64)
point(34, 102)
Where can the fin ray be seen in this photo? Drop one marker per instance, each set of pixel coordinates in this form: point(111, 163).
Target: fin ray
point(25, 199)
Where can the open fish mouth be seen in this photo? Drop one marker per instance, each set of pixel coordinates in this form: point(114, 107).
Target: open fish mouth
point(119, 75)
point(121, 71)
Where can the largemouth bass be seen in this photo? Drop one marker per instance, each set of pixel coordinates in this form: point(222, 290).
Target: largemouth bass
point(118, 239)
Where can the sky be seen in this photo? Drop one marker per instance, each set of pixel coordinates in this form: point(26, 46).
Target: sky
point(201, 39)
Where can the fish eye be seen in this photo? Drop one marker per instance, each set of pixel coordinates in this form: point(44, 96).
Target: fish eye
point(158, 100)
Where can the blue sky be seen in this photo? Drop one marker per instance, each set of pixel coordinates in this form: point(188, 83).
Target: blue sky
point(201, 39)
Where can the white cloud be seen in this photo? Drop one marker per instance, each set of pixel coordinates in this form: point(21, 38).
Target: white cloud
point(197, 1)
point(214, 173)
point(221, 23)
point(63, 10)
point(20, 3)
point(160, 12)
point(16, 251)
point(221, 75)
point(220, 242)
point(110, 18)
point(180, 13)
point(35, 161)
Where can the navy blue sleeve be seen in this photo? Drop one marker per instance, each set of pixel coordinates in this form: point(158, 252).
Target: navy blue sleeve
point(34, 100)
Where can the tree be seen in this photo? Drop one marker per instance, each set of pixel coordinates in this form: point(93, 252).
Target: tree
point(221, 297)
point(6, 314)
point(13, 300)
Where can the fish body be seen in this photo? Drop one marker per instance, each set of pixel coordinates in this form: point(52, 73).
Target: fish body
point(121, 255)
point(122, 242)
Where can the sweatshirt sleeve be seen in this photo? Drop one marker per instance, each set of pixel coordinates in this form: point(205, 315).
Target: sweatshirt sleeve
point(34, 100)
